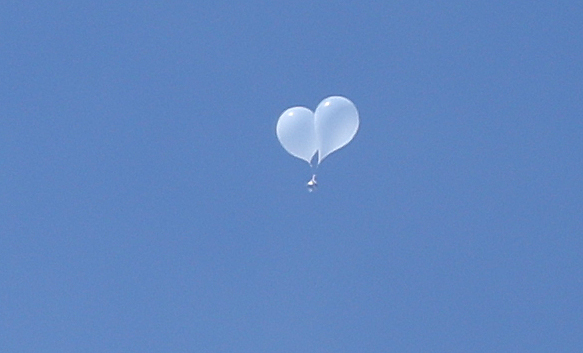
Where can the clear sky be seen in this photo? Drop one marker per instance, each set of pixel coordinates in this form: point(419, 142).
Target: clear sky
point(146, 204)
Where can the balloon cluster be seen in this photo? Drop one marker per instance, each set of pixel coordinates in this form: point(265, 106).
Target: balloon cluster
point(304, 133)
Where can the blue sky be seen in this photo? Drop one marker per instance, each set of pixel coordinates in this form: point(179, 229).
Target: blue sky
point(147, 206)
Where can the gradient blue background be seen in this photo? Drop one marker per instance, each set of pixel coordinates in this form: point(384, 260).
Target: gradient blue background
point(147, 206)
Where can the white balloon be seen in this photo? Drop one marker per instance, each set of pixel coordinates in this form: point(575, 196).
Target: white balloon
point(303, 133)
point(297, 134)
point(336, 122)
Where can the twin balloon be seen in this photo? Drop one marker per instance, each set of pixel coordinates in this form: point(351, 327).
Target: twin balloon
point(305, 134)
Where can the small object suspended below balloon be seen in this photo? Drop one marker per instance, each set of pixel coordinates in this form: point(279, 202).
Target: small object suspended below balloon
point(312, 184)
point(305, 134)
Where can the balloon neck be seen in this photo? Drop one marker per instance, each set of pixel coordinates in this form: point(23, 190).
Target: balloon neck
point(314, 160)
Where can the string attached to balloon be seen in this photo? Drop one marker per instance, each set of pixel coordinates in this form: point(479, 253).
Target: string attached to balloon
point(312, 184)
point(305, 134)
